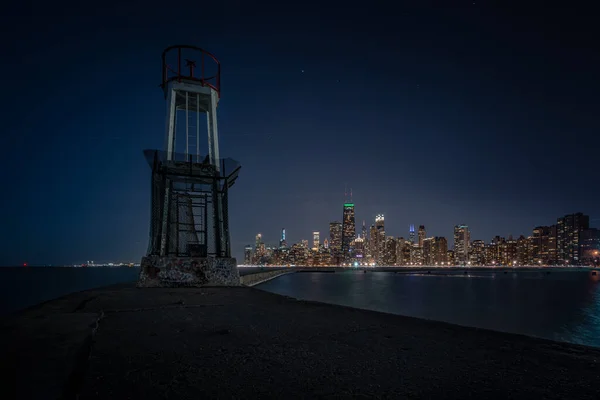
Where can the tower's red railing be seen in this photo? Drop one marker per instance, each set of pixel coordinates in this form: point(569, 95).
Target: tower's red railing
point(183, 62)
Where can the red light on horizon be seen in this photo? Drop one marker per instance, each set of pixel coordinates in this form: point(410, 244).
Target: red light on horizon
point(24, 264)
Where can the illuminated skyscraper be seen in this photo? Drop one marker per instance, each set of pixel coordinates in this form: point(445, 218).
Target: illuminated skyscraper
point(316, 240)
point(248, 254)
point(569, 230)
point(359, 249)
point(462, 239)
point(380, 229)
point(364, 231)
point(372, 249)
point(282, 241)
point(348, 229)
point(421, 235)
point(411, 234)
point(335, 238)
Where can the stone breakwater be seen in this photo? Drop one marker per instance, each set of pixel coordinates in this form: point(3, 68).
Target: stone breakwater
point(260, 277)
point(156, 271)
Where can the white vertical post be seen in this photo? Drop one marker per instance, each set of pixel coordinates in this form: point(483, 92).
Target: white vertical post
point(213, 134)
point(187, 126)
point(171, 98)
point(197, 127)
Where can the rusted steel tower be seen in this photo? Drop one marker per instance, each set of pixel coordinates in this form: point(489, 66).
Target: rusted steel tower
point(189, 228)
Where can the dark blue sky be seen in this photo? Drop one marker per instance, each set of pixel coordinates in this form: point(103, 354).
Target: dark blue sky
point(436, 116)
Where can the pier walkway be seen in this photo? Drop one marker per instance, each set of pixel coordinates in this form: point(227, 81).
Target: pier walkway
point(240, 342)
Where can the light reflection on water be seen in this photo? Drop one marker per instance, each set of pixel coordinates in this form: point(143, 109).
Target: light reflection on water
point(562, 305)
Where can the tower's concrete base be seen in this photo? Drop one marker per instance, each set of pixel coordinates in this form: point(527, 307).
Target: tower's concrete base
point(157, 271)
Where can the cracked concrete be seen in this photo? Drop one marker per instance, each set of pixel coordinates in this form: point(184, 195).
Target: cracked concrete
point(242, 342)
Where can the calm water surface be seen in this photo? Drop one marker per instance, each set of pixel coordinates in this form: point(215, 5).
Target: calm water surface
point(563, 306)
point(24, 287)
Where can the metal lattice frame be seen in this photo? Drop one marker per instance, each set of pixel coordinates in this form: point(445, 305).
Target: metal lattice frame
point(189, 214)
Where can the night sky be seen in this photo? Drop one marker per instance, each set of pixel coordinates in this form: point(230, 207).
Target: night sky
point(462, 114)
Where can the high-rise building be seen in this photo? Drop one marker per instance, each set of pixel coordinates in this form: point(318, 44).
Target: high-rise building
point(389, 254)
point(335, 238)
point(348, 230)
point(450, 257)
point(411, 234)
point(568, 234)
point(316, 240)
point(590, 247)
point(380, 229)
point(248, 254)
point(552, 250)
point(282, 241)
point(427, 246)
point(435, 251)
point(421, 235)
point(477, 252)
point(522, 251)
point(461, 244)
point(326, 244)
point(402, 251)
point(372, 244)
point(258, 241)
point(364, 231)
point(359, 249)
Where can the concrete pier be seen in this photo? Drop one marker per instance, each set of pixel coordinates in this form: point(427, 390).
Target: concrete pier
point(241, 342)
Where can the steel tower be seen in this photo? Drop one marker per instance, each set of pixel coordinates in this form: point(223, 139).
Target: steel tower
point(189, 229)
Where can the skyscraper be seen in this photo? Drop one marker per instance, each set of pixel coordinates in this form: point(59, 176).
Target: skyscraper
point(348, 230)
point(248, 254)
point(335, 238)
point(569, 229)
point(372, 244)
point(462, 238)
point(364, 231)
point(411, 234)
point(282, 242)
point(421, 235)
point(316, 240)
point(380, 229)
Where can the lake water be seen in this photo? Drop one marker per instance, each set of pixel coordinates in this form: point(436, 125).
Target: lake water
point(562, 306)
point(24, 287)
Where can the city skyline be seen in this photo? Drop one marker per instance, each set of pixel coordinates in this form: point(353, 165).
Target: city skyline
point(571, 240)
point(448, 231)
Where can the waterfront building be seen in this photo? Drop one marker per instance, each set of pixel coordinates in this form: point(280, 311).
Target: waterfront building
point(450, 257)
point(359, 250)
point(282, 241)
point(348, 230)
point(380, 241)
point(569, 230)
point(590, 247)
point(389, 253)
point(316, 241)
point(477, 253)
point(248, 254)
point(461, 244)
point(335, 240)
point(421, 235)
point(372, 244)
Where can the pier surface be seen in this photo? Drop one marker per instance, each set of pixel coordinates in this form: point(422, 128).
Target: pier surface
point(240, 342)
